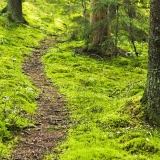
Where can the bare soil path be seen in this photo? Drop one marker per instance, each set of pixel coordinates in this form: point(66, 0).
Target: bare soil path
point(51, 116)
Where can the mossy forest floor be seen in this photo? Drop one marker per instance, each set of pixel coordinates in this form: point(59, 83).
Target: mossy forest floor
point(59, 103)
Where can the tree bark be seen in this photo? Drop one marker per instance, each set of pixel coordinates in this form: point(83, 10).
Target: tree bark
point(151, 97)
point(14, 10)
point(101, 29)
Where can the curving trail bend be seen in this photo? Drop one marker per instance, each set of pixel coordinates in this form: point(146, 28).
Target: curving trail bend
point(51, 116)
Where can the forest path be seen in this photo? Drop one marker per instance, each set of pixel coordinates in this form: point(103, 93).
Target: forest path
point(51, 116)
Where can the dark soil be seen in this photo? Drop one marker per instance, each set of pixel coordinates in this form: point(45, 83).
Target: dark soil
point(51, 116)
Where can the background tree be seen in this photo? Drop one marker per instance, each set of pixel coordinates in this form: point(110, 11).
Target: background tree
point(110, 25)
point(100, 26)
point(151, 97)
point(14, 11)
point(101, 15)
point(130, 9)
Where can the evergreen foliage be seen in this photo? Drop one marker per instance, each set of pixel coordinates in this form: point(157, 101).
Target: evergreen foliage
point(103, 95)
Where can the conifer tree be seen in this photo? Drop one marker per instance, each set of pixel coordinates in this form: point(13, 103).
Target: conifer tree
point(151, 97)
point(100, 17)
point(101, 32)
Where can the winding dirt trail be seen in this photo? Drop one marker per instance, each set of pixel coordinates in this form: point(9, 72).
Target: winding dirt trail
point(51, 116)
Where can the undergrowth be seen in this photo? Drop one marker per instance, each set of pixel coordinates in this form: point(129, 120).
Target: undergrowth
point(104, 99)
point(107, 119)
point(103, 95)
point(17, 94)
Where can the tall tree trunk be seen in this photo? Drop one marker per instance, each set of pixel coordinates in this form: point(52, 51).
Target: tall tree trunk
point(100, 25)
point(151, 95)
point(14, 9)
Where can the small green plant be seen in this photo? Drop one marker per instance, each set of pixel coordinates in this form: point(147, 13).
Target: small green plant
point(17, 94)
point(103, 97)
point(107, 120)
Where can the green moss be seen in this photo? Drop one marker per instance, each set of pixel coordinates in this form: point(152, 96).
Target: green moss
point(104, 102)
point(107, 120)
point(17, 93)
point(140, 145)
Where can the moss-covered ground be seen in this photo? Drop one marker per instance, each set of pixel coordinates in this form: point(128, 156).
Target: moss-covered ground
point(103, 95)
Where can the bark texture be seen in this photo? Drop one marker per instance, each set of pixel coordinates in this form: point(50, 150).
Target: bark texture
point(151, 96)
point(14, 9)
point(98, 20)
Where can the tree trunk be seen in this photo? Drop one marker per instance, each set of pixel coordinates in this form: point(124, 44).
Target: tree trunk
point(151, 95)
point(14, 9)
point(100, 25)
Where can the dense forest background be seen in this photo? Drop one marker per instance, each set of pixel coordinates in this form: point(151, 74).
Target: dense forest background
point(98, 62)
